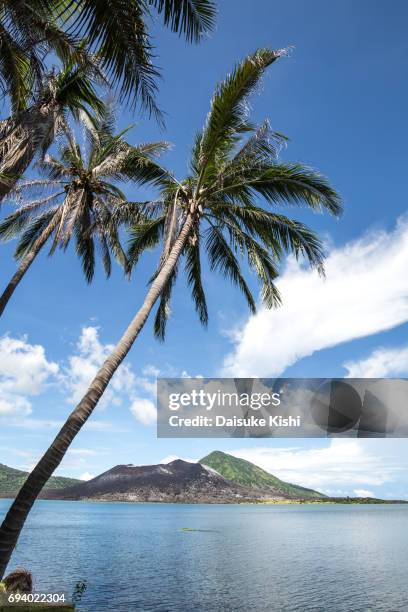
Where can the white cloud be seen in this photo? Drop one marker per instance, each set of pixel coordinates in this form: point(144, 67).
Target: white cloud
point(24, 373)
point(144, 411)
point(14, 405)
point(87, 476)
point(343, 465)
point(23, 366)
point(363, 493)
point(171, 458)
point(83, 366)
point(382, 363)
point(365, 292)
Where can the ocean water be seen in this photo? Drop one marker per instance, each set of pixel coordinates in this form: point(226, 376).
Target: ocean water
point(169, 557)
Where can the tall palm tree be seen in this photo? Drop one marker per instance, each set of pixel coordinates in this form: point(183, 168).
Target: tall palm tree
point(81, 199)
point(33, 129)
point(218, 204)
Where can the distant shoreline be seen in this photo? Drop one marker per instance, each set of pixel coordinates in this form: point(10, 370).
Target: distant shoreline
point(352, 501)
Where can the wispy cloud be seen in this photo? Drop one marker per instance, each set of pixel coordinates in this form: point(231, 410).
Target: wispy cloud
point(365, 292)
point(380, 363)
point(344, 465)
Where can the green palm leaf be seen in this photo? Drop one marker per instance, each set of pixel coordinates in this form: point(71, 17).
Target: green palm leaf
point(222, 259)
point(193, 271)
point(163, 309)
point(193, 18)
point(228, 115)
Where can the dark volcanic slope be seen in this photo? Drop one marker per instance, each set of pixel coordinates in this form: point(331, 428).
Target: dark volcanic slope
point(176, 481)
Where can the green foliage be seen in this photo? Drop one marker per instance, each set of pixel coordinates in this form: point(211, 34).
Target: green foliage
point(11, 481)
point(249, 475)
point(117, 33)
point(114, 33)
point(28, 30)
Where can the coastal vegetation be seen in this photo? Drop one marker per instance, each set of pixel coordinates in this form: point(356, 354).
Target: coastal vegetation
point(249, 475)
point(11, 480)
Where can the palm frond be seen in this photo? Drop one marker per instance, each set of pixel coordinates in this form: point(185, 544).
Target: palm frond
point(17, 67)
point(15, 223)
point(277, 232)
point(131, 214)
point(193, 18)
point(193, 270)
point(34, 231)
point(143, 169)
point(75, 91)
point(85, 246)
point(144, 236)
point(35, 188)
point(110, 232)
point(262, 147)
point(222, 259)
point(105, 254)
point(163, 309)
point(227, 118)
point(297, 184)
point(282, 183)
point(53, 168)
point(117, 32)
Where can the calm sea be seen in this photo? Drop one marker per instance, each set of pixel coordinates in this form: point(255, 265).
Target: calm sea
point(216, 558)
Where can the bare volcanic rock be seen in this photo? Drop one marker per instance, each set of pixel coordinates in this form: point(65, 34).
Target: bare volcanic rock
point(178, 481)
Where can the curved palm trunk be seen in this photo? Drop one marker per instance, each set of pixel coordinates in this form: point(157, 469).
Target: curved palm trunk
point(20, 139)
point(26, 263)
point(16, 516)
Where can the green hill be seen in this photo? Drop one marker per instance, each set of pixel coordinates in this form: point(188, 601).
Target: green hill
point(250, 475)
point(11, 480)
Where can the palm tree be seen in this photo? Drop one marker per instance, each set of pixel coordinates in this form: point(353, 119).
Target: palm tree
point(82, 199)
point(218, 205)
point(33, 129)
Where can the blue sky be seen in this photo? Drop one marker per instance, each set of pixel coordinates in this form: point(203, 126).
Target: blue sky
point(341, 98)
